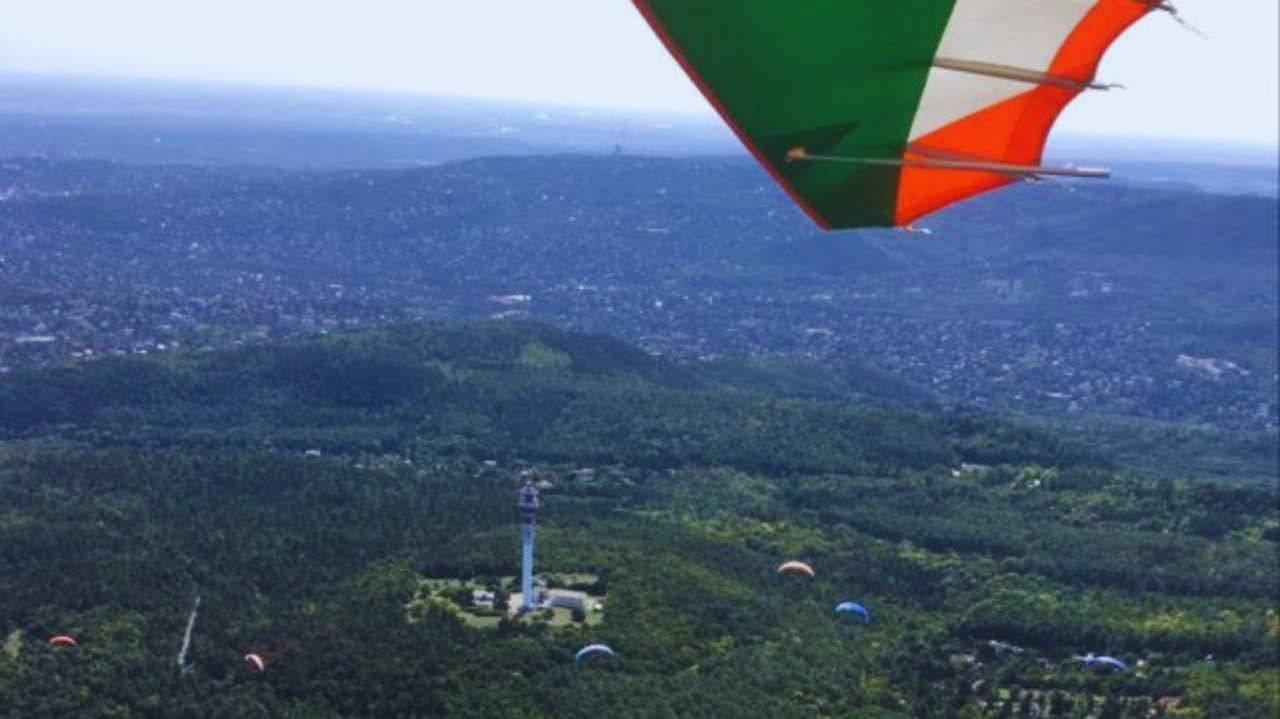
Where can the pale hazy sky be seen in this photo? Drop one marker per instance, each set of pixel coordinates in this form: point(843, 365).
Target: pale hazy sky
point(592, 52)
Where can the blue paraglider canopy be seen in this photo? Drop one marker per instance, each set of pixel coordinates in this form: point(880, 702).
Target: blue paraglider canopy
point(1093, 661)
point(592, 649)
point(853, 608)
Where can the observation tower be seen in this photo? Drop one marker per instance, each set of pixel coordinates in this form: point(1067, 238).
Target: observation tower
point(528, 505)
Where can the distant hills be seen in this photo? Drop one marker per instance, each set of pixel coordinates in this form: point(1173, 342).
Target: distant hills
point(66, 118)
point(1046, 298)
point(162, 122)
point(138, 215)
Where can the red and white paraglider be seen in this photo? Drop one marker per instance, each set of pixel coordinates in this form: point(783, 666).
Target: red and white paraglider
point(797, 568)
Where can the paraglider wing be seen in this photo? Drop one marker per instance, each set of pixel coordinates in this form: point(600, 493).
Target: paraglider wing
point(592, 649)
point(63, 640)
point(853, 608)
point(796, 567)
point(255, 661)
point(876, 112)
point(1106, 662)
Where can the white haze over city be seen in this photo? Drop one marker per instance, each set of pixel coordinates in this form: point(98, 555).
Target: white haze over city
point(1222, 88)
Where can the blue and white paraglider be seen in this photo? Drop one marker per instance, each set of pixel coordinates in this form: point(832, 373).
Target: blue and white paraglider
point(855, 609)
point(592, 649)
point(1091, 661)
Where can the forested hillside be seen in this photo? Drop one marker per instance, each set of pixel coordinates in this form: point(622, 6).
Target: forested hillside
point(301, 490)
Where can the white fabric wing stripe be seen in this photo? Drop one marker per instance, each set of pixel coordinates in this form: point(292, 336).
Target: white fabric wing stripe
point(1018, 33)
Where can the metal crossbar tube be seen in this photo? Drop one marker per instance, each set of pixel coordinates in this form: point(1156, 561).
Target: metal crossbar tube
point(1017, 74)
point(799, 154)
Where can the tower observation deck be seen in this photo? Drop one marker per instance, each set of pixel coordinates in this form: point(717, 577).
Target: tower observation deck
point(528, 505)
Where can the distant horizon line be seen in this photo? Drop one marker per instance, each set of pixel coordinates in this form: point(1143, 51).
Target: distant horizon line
point(708, 116)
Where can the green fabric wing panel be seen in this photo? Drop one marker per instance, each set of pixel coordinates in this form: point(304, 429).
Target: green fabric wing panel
point(840, 77)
